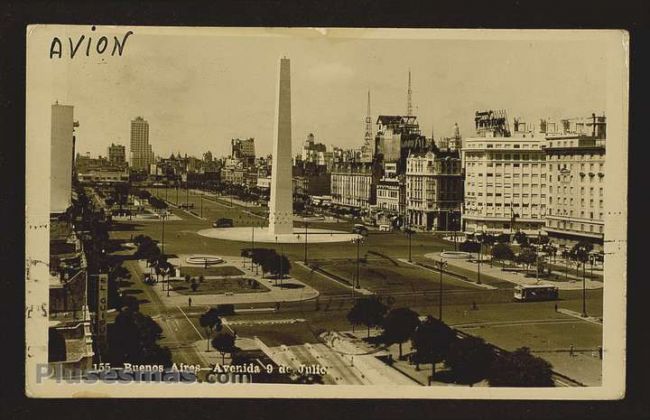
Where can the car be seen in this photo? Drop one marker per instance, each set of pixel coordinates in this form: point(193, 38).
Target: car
point(360, 229)
point(223, 222)
point(384, 228)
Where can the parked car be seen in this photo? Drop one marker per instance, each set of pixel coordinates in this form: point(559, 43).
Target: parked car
point(384, 228)
point(360, 229)
point(223, 222)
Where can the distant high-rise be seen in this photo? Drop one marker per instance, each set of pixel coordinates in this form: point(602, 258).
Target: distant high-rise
point(243, 150)
point(61, 158)
point(281, 204)
point(117, 154)
point(141, 155)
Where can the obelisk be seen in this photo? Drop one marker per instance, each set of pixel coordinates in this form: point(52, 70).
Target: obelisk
point(281, 204)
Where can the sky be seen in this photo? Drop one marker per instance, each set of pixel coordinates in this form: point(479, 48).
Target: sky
point(201, 90)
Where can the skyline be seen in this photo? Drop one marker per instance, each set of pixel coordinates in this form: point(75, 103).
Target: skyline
point(195, 90)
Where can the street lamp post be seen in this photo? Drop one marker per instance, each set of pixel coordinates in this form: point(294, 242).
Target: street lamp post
point(409, 232)
point(441, 265)
point(478, 279)
point(356, 285)
point(305, 242)
point(356, 281)
point(162, 241)
point(201, 200)
point(584, 292)
point(252, 242)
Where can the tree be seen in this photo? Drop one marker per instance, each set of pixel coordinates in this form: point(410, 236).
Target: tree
point(470, 246)
point(520, 237)
point(133, 338)
point(520, 369)
point(277, 265)
point(399, 325)
point(431, 340)
point(210, 321)
point(502, 252)
point(503, 238)
point(470, 359)
point(527, 256)
point(194, 285)
point(367, 311)
point(224, 343)
point(131, 303)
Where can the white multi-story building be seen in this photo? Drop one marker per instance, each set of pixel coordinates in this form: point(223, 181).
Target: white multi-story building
point(62, 152)
point(140, 153)
point(434, 189)
point(388, 191)
point(576, 181)
point(353, 185)
point(506, 183)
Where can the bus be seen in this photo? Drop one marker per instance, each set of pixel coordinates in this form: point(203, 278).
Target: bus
point(535, 292)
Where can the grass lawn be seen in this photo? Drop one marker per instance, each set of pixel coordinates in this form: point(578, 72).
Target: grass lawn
point(382, 275)
point(272, 335)
point(227, 270)
point(217, 286)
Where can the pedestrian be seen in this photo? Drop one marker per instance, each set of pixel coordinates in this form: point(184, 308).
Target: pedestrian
point(474, 307)
point(556, 307)
point(189, 302)
point(571, 350)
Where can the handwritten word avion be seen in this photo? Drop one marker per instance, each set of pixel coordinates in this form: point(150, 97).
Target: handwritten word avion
point(88, 45)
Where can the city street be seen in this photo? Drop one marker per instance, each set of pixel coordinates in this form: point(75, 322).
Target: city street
point(489, 313)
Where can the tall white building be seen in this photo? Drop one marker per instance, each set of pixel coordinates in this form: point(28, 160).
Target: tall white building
point(62, 156)
point(506, 183)
point(575, 155)
point(141, 155)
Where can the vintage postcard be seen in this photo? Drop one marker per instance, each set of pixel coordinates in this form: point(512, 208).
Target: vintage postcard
point(313, 212)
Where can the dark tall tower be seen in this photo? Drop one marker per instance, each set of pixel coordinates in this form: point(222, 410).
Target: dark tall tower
point(368, 149)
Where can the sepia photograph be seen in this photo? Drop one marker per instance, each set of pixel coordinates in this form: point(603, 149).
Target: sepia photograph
point(313, 212)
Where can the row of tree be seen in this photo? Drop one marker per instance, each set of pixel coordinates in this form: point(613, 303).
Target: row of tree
point(133, 338)
point(469, 359)
point(223, 342)
point(277, 265)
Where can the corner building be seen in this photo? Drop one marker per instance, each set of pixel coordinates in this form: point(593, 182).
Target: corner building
point(576, 187)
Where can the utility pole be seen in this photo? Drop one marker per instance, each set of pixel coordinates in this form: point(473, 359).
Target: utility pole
point(201, 199)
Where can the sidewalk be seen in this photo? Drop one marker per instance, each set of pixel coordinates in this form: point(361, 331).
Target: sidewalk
point(514, 277)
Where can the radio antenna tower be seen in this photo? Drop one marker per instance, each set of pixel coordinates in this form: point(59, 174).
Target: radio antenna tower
point(367, 150)
point(368, 121)
point(409, 104)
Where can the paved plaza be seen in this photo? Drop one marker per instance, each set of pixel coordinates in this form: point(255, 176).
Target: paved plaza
point(262, 235)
